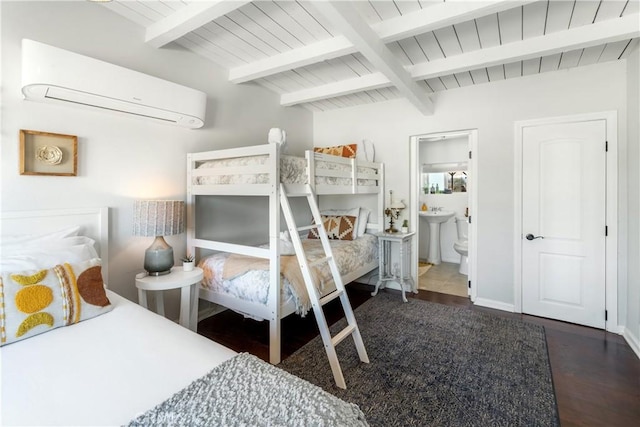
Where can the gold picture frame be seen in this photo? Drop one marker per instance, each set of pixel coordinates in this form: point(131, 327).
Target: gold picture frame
point(44, 153)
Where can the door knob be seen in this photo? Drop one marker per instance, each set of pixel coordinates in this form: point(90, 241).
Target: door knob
point(531, 237)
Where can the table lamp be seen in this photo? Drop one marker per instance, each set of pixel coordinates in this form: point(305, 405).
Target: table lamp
point(158, 218)
point(393, 212)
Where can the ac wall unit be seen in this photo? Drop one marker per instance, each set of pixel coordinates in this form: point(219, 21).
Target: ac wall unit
point(51, 74)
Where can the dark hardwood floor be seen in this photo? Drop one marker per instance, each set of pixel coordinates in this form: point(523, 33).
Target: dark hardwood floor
point(596, 374)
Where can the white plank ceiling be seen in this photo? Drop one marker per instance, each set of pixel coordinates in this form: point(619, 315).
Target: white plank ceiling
point(326, 55)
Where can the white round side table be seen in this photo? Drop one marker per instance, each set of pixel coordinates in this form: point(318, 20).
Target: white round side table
point(187, 281)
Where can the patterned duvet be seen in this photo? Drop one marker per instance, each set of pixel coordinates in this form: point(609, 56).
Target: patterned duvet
point(254, 285)
point(293, 170)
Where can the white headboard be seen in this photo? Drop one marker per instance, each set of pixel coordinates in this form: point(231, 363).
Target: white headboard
point(93, 222)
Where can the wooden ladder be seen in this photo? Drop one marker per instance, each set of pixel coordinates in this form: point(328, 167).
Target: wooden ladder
point(318, 302)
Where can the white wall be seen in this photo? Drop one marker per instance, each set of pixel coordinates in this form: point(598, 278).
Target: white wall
point(492, 109)
point(632, 323)
point(121, 159)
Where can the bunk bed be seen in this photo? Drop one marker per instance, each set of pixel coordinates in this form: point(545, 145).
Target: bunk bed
point(259, 171)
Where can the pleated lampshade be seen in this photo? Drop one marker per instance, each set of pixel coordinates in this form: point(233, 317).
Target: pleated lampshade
point(158, 218)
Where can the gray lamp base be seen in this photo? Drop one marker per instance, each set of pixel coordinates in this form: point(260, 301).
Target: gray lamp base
point(158, 258)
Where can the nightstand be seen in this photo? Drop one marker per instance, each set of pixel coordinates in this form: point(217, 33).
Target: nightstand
point(186, 281)
point(385, 270)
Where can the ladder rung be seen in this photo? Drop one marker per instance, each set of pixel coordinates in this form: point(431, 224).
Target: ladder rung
point(307, 227)
point(342, 335)
point(319, 261)
point(317, 303)
point(330, 297)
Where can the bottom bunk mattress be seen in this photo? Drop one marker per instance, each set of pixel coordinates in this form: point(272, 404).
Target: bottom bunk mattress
point(247, 278)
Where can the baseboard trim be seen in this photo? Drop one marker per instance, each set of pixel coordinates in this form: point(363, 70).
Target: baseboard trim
point(498, 305)
point(633, 341)
point(615, 329)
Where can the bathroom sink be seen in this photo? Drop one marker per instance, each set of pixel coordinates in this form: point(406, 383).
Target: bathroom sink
point(437, 217)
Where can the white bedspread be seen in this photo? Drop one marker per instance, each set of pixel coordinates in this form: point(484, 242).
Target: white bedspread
point(350, 255)
point(293, 170)
point(102, 371)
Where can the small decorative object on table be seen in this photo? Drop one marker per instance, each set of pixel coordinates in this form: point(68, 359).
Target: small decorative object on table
point(188, 262)
point(405, 226)
point(393, 212)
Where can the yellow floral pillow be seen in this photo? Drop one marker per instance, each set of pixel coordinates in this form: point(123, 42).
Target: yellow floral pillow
point(339, 227)
point(348, 151)
point(37, 301)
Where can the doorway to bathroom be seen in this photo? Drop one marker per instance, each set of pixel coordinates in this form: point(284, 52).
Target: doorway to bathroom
point(442, 208)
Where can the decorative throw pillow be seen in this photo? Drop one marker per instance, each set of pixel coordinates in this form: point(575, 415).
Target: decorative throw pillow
point(362, 214)
point(348, 151)
point(338, 227)
point(37, 301)
point(349, 212)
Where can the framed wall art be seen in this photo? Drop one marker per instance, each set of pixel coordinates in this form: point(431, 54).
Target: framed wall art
point(44, 153)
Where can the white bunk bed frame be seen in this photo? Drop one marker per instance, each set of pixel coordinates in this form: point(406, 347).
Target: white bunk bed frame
point(275, 309)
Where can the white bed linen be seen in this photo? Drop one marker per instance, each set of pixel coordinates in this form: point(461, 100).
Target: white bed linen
point(293, 170)
point(102, 371)
point(253, 286)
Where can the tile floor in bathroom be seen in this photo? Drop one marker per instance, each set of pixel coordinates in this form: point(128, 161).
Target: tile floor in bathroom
point(445, 279)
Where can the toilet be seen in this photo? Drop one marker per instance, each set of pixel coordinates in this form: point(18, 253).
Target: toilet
point(462, 244)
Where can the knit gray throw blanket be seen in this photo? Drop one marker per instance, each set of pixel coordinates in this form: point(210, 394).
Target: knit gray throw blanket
point(245, 391)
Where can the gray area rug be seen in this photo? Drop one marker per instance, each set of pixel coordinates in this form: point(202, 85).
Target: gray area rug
point(436, 365)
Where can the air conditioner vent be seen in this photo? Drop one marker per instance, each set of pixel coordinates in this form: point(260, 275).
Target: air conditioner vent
point(55, 75)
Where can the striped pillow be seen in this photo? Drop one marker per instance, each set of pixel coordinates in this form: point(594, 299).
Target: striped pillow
point(339, 227)
point(348, 151)
point(37, 301)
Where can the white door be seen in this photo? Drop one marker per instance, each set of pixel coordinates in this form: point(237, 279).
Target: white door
point(563, 221)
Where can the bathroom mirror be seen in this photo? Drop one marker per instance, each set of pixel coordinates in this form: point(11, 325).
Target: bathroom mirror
point(444, 178)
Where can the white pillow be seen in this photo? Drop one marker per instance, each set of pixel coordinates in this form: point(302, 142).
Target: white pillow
point(46, 255)
point(366, 151)
point(286, 245)
point(278, 136)
point(359, 227)
point(35, 239)
point(17, 248)
point(363, 219)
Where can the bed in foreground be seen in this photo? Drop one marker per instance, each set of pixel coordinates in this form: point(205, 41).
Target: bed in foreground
point(264, 171)
point(129, 365)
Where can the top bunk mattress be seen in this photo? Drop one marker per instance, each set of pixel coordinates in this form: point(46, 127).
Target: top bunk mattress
point(293, 170)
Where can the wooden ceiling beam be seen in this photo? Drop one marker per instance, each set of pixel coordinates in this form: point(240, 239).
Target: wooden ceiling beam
point(350, 23)
point(609, 31)
point(429, 19)
point(187, 19)
point(296, 58)
point(332, 90)
point(440, 15)
point(624, 28)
